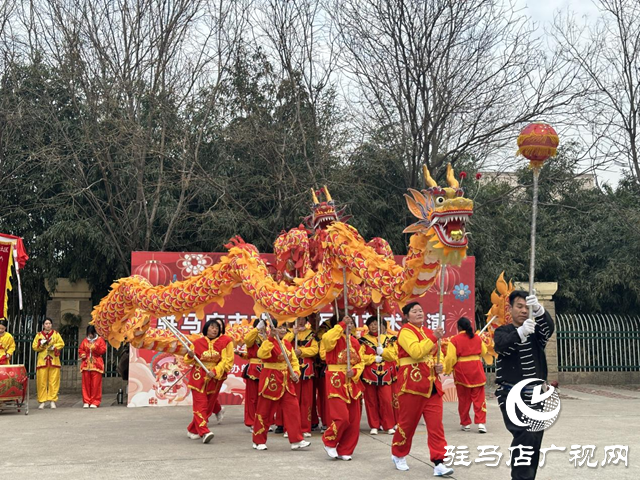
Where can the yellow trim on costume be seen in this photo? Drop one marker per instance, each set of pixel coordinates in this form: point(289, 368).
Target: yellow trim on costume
point(410, 361)
point(469, 358)
point(275, 366)
point(337, 368)
point(255, 361)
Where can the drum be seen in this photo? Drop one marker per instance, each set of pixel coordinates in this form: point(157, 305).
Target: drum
point(14, 383)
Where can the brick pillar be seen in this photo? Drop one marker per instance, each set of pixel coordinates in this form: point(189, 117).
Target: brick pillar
point(545, 291)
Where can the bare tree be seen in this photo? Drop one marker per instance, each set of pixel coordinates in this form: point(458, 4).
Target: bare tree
point(607, 57)
point(447, 78)
point(143, 78)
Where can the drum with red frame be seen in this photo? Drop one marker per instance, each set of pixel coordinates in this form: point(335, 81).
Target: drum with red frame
point(14, 387)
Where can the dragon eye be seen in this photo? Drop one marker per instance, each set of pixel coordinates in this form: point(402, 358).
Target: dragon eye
point(439, 200)
point(164, 376)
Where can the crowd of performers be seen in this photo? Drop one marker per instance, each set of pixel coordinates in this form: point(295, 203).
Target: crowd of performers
point(306, 376)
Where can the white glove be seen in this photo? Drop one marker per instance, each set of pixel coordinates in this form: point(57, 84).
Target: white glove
point(42, 342)
point(538, 310)
point(51, 348)
point(378, 358)
point(260, 325)
point(379, 349)
point(526, 329)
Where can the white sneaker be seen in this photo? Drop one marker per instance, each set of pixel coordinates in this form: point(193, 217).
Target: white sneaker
point(391, 431)
point(53, 405)
point(300, 444)
point(286, 434)
point(374, 431)
point(86, 405)
point(262, 446)
point(220, 414)
point(193, 436)
point(465, 428)
point(400, 463)
point(482, 428)
point(344, 457)
point(440, 470)
point(306, 434)
point(207, 437)
point(93, 406)
point(41, 406)
point(332, 452)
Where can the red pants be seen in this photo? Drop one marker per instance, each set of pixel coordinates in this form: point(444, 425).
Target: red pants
point(91, 387)
point(250, 401)
point(412, 407)
point(304, 392)
point(203, 406)
point(395, 390)
point(344, 430)
point(215, 409)
point(321, 400)
point(265, 412)
point(377, 402)
point(468, 395)
point(314, 406)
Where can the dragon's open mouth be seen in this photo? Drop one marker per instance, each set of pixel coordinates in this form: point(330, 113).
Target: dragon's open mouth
point(323, 221)
point(450, 227)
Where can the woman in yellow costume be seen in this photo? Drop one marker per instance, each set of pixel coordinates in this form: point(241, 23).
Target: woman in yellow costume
point(7, 343)
point(49, 344)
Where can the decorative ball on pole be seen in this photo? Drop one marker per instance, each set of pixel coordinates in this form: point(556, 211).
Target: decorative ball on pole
point(537, 142)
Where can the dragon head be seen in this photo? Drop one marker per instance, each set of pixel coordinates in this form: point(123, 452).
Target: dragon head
point(324, 213)
point(442, 214)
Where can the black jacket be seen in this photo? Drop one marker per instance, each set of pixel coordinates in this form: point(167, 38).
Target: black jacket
point(518, 360)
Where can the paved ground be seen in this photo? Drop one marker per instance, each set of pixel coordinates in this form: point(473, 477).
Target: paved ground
point(115, 442)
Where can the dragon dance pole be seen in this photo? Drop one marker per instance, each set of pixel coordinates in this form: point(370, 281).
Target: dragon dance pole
point(379, 331)
point(346, 313)
point(487, 325)
point(284, 352)
point(440, 321)
point(186, 344)
point(534, 213)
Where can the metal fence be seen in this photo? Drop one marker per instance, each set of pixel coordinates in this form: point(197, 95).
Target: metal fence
point(24, 328)
point(598, 343)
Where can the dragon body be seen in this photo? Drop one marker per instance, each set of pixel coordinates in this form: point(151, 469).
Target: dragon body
point(310, 270)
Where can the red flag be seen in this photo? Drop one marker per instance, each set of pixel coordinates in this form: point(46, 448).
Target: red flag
point(18, 245)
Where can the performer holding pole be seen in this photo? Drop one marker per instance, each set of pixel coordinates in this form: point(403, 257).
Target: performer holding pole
point(306, 349)
point(253, 340)
point(420, 390)
point(280, 372)
point(213, 355)
point(520, 345)
point(440, 319)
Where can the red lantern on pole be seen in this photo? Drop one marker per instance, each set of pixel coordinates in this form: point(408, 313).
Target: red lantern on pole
point(155, 271)
point(537, 142)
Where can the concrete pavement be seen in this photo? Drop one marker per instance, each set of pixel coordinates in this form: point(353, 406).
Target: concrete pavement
point(115, 442)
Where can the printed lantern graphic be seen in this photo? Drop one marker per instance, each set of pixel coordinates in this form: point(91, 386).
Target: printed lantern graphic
point(537, 142)
point(155, 271)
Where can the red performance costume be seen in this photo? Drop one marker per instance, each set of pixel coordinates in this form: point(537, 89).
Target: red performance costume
point(276, 390)
point(217, 356)
point(343, 394)
point(251, 375)
point(304, 388)
point(92, 368)
point(377, 379)
point(420, 392)
point(464, 357)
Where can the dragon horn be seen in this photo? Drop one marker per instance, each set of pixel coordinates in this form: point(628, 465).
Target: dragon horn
point(313, 195)
point(451, 178)
point(427, 177)
point(326, 192)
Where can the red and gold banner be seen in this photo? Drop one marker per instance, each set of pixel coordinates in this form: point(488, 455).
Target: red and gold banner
point(6, 261)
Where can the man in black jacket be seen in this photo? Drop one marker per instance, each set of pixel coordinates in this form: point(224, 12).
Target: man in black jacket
point(520, 347)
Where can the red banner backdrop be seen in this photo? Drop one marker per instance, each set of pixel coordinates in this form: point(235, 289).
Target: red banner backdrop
point(151, 374)
point(6, 261)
